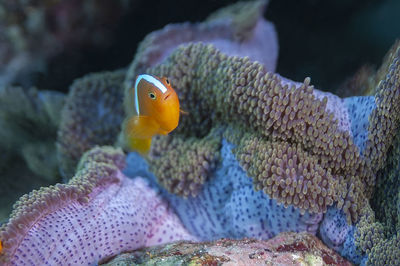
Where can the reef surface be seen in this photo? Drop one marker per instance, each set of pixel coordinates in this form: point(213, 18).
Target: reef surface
point(284, 249)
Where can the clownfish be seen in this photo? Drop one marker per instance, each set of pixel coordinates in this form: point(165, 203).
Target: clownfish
point(155, 111)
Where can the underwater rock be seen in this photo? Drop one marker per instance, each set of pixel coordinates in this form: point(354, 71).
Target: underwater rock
point(284, 249)
point(98, 214)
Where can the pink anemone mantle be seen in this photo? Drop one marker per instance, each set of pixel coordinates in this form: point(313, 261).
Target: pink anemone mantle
point(98, 214)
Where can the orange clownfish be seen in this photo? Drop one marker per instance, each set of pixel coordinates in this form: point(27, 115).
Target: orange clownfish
point(156, 111)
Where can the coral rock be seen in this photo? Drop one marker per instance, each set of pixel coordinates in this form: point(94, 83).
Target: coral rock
point(284, 249)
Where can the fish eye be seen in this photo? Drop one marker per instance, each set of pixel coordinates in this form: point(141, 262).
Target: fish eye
point(152, 95)
point(167, 81)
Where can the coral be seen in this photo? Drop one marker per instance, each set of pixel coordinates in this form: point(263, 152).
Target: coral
point(378, 232)
point(183, 165)
point(385, 118)
point(92, 115)
point(359, 109)
point(210, 102)
point(98, 214)
point(227, 205)
point(33, 31)
point(240, 92)
point(287, 173)
point(257, 154)
point(284, 249)
point(350, 250)
point(374, 240)
point(333, 229)
point(238, 30)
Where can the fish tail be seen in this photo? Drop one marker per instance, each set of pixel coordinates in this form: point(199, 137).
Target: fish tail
point(142, 146)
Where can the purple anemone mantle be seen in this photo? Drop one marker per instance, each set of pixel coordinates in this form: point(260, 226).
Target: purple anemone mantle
point(98, 214)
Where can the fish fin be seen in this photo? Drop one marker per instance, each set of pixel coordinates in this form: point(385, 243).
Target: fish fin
point(183, 112)
point(142, 146)
point(162, 132)
point(140, 127)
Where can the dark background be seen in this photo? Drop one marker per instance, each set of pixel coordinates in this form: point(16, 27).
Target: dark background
point(326, 40)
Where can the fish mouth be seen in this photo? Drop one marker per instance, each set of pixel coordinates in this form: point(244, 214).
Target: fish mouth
point(166, 97)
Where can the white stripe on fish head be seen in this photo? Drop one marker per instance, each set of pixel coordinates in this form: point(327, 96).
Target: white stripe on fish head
point(151, 80)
